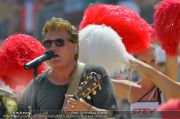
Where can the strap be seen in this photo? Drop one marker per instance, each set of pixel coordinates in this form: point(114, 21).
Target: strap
point(74, 80)
point(145, 94)
point(159, 96)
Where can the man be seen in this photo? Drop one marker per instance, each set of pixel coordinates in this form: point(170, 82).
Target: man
point(49, 89)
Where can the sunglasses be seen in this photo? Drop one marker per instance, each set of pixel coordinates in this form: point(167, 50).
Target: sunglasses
point(58, 42)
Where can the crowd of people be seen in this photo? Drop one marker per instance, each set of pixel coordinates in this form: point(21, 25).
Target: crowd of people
point(28, 16)
point(112, 58)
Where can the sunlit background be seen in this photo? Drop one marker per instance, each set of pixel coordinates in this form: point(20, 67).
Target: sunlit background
point(28, 16)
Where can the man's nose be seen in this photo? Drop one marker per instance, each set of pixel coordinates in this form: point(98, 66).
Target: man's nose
point(53, 46)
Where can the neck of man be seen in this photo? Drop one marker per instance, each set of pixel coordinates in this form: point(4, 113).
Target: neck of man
point(61, 75)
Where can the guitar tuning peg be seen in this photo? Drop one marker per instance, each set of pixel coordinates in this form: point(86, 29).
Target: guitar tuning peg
point(85, 82)
point(80, 88)
point(83, 94)
point(99, 87)
point(88, 97)
point(94, 92)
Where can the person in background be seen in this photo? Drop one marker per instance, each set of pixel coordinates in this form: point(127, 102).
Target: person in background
point(132, 4)
point(15, 51)
point(144, 90)
point(104, 47)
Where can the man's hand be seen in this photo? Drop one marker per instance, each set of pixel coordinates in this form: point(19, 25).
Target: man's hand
point(75, 105)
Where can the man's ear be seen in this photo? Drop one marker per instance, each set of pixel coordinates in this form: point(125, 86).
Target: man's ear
point(76, 47)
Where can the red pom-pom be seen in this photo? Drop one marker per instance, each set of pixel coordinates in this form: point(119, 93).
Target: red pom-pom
point(170, 109)
point(167, 25)
point(135, 32)
point(17, 50)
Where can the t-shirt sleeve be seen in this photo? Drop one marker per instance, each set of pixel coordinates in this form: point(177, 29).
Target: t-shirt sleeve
point(104, 98)
point(26, 98)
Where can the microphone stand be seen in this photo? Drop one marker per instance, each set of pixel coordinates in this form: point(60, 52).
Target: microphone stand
point(35, 71)
point(35, 74)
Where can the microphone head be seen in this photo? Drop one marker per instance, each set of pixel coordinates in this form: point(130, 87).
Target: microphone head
point(38, 61)
point(50, 54)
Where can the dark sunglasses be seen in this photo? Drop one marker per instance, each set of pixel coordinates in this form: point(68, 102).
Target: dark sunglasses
point(58, 42)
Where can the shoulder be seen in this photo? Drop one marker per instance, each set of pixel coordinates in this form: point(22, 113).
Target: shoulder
point(88, 69)
point(95, 68)
point(35, 82)
point(41, 76)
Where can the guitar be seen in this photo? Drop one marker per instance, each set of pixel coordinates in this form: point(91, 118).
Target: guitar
point(89, 86)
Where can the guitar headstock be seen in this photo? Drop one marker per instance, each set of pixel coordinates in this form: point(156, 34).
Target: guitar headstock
point(89, 86)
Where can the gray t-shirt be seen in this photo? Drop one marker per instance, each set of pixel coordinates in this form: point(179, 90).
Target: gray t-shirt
point(50, 97)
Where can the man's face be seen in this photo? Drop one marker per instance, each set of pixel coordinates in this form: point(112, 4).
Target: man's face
point(65, 51)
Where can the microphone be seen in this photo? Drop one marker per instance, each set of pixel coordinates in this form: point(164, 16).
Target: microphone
point(39, 60)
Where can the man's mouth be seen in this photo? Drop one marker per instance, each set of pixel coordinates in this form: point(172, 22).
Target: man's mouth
point(55, 56)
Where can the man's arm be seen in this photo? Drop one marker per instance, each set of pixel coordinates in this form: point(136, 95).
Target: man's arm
point(105, 98)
